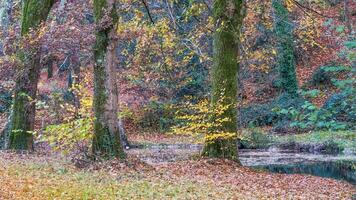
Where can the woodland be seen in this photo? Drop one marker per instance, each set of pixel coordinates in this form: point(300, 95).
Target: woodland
point(177, 99)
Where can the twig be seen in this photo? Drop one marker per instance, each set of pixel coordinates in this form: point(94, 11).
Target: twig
point(148, 11)
point(312, 10)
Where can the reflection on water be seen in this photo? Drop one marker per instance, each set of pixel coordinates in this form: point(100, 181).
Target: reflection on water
point(275, 160)
point(342, 167)
point(336, 170)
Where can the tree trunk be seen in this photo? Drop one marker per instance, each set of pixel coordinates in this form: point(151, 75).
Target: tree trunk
point(23, 117)
point(286, 59)
point(50, 69)
point(5, 19)
point(347, 17)
point(123, 137)
point(5, 13)
point(228, 16)
point(106, 141)
point(4, 134)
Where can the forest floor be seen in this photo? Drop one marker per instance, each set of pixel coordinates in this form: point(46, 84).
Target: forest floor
point(43, 176)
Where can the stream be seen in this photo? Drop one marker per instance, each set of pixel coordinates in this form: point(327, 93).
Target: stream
point(341, 167)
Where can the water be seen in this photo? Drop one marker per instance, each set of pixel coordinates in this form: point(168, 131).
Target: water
point(275, 160)
point(335, 170)
point(341, 167)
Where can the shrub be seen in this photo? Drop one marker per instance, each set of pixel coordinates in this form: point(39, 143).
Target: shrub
point(325, 75)
point(74, 132)
point(321, 77)
point(205, 123)
point(257, 115)
point(332, 147)
point(155, 116)
point(255, 140)
point(71, 136)
point(264, 115)
point(342, 106)
point(311, 117)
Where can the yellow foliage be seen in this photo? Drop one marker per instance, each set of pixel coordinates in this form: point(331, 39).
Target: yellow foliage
point(202, 121)
point(289, 5)
point(77, 128)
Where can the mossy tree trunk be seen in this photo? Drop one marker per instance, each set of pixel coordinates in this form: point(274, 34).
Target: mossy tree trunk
point(228, 16)
point(23, 117)
point(106, 141)
point(286, 61)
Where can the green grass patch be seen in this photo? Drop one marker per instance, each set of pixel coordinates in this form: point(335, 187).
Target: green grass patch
point(344, 139)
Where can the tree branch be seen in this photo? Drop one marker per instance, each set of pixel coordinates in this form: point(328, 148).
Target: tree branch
point(148, 11)
point(312, 10)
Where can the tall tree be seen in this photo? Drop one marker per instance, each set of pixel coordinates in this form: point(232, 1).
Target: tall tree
point(228, 16)
point(286, 59)
point(106, 141)
point(5, 19)
point(347, 17)
point(23, 115)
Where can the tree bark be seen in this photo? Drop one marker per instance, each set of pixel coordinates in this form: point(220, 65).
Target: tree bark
point(23, 117)
point(123, 137)
point(5, 13)
point(106, 141)
point(286, 59)
point(348, 20)
point(4, 134)
point(228, 16)
point(5, 19)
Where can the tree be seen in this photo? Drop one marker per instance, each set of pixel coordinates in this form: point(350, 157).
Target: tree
point(347, 17)
point(5, 19)
point(228, 16)
point(34, 12)
point(106, 140)
point(285, 60)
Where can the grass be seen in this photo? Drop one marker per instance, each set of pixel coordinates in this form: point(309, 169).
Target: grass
point(37, 181)
point(38, 178)
point(344, 139)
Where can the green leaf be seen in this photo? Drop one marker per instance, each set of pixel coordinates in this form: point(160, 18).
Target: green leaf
point(350, 44)
point(340, 29)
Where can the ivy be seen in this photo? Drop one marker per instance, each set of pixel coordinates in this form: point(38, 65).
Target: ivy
point(285, 57)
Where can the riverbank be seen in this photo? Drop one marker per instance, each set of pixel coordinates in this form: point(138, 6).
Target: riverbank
point(324, 153)
point(329, 142)
point(42, 177)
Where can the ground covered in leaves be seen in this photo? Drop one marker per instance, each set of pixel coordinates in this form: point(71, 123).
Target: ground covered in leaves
point(42, 177)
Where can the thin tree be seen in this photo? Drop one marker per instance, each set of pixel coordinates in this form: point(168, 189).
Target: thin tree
point(34, 12)
point(106, 141)
point(228, 16)
point(5, 19)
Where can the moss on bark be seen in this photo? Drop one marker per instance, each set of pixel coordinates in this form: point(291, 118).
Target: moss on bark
point(106, 140)
point(33, 13)
point(22, 123)
point(228, 15)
